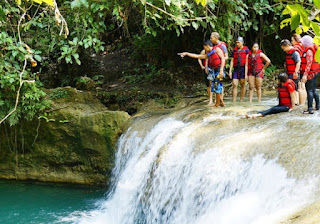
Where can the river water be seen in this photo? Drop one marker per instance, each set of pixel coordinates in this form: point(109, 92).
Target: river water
point(200, 165)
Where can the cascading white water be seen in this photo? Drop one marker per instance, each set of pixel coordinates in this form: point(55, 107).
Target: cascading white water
point(178, 171)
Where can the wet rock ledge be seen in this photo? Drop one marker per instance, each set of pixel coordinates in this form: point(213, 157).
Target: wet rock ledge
point(74, 142)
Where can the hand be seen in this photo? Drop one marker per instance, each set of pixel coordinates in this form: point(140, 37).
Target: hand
point(183, 54)
point(221, 75)
point(246, 77)
point(230, 75)
point(202, 67)
point(304, 79)
point(207, 71)
point(295, 75)
point(261, 73)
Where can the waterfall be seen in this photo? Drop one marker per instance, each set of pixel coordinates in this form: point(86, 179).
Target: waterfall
point(192, 166)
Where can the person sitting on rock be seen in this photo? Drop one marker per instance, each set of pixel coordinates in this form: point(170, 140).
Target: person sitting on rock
point(286, 97)
point(214, 69)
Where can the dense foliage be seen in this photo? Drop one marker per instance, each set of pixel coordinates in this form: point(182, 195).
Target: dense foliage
point(34, 37)
point(37, 34)
point(304, 18)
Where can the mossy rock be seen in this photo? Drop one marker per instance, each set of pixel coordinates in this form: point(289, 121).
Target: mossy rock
point(75, 143)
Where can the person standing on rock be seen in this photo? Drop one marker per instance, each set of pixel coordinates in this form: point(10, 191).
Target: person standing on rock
point(285, 95)
point(238, 62)
point(255, 70)
point(309, 70)
point(214, 69)
point(215, 39)
point(296, 43)
point(292, 64)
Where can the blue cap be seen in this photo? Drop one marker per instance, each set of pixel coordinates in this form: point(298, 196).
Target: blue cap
point(240, 39)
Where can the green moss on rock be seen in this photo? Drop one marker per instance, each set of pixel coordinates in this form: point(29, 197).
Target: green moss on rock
point(75, 143)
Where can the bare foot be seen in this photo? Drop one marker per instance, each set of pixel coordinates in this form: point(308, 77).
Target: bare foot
point(247, 116)
point(214, 106)
point(222, 104)
point(210, 103)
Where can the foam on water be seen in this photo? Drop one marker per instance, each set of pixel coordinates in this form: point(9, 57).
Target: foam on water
point(166, 176)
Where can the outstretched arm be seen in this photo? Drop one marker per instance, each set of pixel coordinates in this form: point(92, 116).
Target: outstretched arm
point(200, 61)
point(191, 55)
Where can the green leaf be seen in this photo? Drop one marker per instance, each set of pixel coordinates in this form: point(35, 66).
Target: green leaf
point(37, 57)
point(317, 3)
point(284, 23)
point(295, 21)
point(84, 3)
point(14, 53)
point(78, 61)
point(195, 25)
point(299, 30)
point(315, 28)
point(317, 55)
point(76, 56)
point(316, 40)
point(75, 4)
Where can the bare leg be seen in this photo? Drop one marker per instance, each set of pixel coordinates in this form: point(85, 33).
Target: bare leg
point(302, 93)
point(296, 95)
point(243, 89)
point(251, 86)
point(253, 115)
point(218, 98)
point(222, 104)
point(210, 94)
point(258, 87)
point(221, 98)
point(235, 83)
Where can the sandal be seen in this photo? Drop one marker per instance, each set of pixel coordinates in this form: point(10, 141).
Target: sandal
point(308, 112)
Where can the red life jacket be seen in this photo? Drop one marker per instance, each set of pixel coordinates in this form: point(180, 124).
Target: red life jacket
point(284, 94)
point(204, 62)
point(239, 56)
point(255, 63)
point(214, 59)
point(220, 45)
point(315, 67)
point(299, 47)
point(290, 63)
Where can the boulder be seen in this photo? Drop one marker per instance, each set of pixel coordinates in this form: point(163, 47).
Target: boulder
point(75, 142)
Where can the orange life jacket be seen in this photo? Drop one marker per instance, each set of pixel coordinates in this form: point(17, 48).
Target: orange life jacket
point(255, 63)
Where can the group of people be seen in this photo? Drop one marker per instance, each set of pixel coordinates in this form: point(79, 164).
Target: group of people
point(294, 86)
